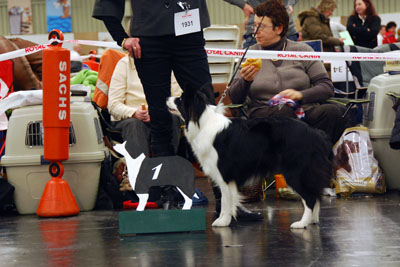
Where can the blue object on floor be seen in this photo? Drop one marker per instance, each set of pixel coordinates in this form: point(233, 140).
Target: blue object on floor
point(202, 200)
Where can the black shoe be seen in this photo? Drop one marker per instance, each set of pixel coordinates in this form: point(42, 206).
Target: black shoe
point(248, 216)
point(170, 205)
point(170, 198)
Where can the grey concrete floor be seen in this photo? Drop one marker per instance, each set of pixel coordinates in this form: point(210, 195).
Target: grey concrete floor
point(357, 231)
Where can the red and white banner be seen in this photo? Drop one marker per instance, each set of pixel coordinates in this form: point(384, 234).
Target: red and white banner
point(237, 53)
point(299, 55)
point(22, 52)
point(33, 49)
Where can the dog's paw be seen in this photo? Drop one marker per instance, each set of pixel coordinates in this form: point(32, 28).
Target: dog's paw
point(298, 225)
point(222, 222)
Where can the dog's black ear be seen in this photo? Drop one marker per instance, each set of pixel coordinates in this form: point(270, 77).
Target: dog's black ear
point(188, 92)
point(208, 90)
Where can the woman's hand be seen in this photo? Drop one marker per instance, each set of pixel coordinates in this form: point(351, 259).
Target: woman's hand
point(247, 10)
point(292, 94)
point(132, 45)
point(142, 114)
point(249, 73)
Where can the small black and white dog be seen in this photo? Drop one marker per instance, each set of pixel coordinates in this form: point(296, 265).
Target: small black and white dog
point(233, 151)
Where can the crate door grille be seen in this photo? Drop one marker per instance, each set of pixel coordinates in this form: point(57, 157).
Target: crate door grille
point(35, 134)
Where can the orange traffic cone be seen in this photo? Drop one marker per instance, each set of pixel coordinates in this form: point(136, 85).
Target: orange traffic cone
point(57, 198)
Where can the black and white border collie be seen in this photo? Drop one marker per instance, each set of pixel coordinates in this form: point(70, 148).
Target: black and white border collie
point(233, 151)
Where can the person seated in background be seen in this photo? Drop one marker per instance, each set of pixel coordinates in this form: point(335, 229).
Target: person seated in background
point(315, 25)
point(304, 84)
point(289, 88)
point(390, 34)
point(381, 33)
point(128, 108)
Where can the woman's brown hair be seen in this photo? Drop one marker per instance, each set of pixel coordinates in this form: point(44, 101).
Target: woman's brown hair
point(325, 5)
point(276, 11)
point(370, 11)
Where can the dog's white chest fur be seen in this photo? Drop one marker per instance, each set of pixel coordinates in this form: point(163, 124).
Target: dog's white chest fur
point(202, 137)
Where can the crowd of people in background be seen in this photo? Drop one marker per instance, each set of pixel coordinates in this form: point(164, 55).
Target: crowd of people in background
point(363, 24)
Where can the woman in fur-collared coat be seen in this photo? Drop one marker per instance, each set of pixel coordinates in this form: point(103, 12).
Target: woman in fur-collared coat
point(315, 25)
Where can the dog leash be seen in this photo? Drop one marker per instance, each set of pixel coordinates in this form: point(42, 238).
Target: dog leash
point(241, 59)
point(236, 69)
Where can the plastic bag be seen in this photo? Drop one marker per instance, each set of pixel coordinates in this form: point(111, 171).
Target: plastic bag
point(21, 99)
point(356, 169)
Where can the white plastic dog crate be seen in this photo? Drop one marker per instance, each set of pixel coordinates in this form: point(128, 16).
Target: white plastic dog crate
point(379, 118)
point(28, 172)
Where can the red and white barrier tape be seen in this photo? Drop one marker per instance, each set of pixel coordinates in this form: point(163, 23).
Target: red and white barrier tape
point(299, 55)
point(235, 53)
point(22, 52)
point(33, 49)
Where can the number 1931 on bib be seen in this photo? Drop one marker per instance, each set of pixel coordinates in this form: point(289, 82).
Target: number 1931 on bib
point(187, 22)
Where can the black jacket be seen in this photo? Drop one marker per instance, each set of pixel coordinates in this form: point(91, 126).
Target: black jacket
point(149, 17)
point(364, 34)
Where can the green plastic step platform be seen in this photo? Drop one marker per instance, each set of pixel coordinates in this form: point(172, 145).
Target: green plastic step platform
point(162, 221)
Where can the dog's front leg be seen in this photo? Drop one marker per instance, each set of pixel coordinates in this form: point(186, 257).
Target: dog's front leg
point(142, 201)
point(225, 216)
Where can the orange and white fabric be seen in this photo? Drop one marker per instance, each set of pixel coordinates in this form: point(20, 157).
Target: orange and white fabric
point(108, 61)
